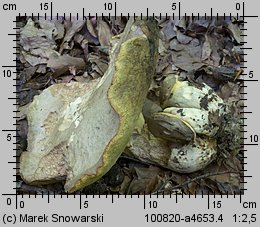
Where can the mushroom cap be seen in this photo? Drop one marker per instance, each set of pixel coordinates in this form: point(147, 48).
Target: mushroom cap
point(192, 157)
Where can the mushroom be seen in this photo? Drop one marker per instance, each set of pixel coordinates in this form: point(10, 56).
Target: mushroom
point(77, 131)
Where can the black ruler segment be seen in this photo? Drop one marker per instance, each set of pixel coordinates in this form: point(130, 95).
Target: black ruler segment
point(81, 197)
point(211, 14)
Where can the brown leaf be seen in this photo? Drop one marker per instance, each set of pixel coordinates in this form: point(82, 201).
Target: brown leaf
point(22, 112)
point(183, 39)
point(37, 43)
point(189, 58)
point(98, 65)
point(206, 48)
point(148, 148)
point(104, 32)
point(52, 28)
point(61, 64)
point(91, 26)
point(72, 27)
point(168, 30)
point(137, 186)
point(236, 32)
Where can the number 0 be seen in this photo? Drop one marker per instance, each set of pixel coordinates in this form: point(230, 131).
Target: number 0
point(238, 6)
point(8, 201)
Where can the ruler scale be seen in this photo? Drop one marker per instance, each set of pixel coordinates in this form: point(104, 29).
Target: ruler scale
point(158, 209)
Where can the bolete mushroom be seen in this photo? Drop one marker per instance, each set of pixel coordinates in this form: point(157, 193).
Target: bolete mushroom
point(77, 131)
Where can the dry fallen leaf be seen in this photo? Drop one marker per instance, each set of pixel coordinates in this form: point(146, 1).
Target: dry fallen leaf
point(206, 48)
point(37, 43)
point(62, 63)
point(72, 27)
point(236, 32)
point(104, 32)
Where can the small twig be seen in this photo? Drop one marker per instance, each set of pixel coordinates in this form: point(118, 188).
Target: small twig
point(144, 162)
point(134, 160)
point(195, 179)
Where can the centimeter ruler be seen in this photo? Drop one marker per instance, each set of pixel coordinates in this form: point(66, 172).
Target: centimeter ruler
point(234, 209)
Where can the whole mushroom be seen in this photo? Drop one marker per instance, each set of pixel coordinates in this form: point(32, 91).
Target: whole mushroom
point(184, 119)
